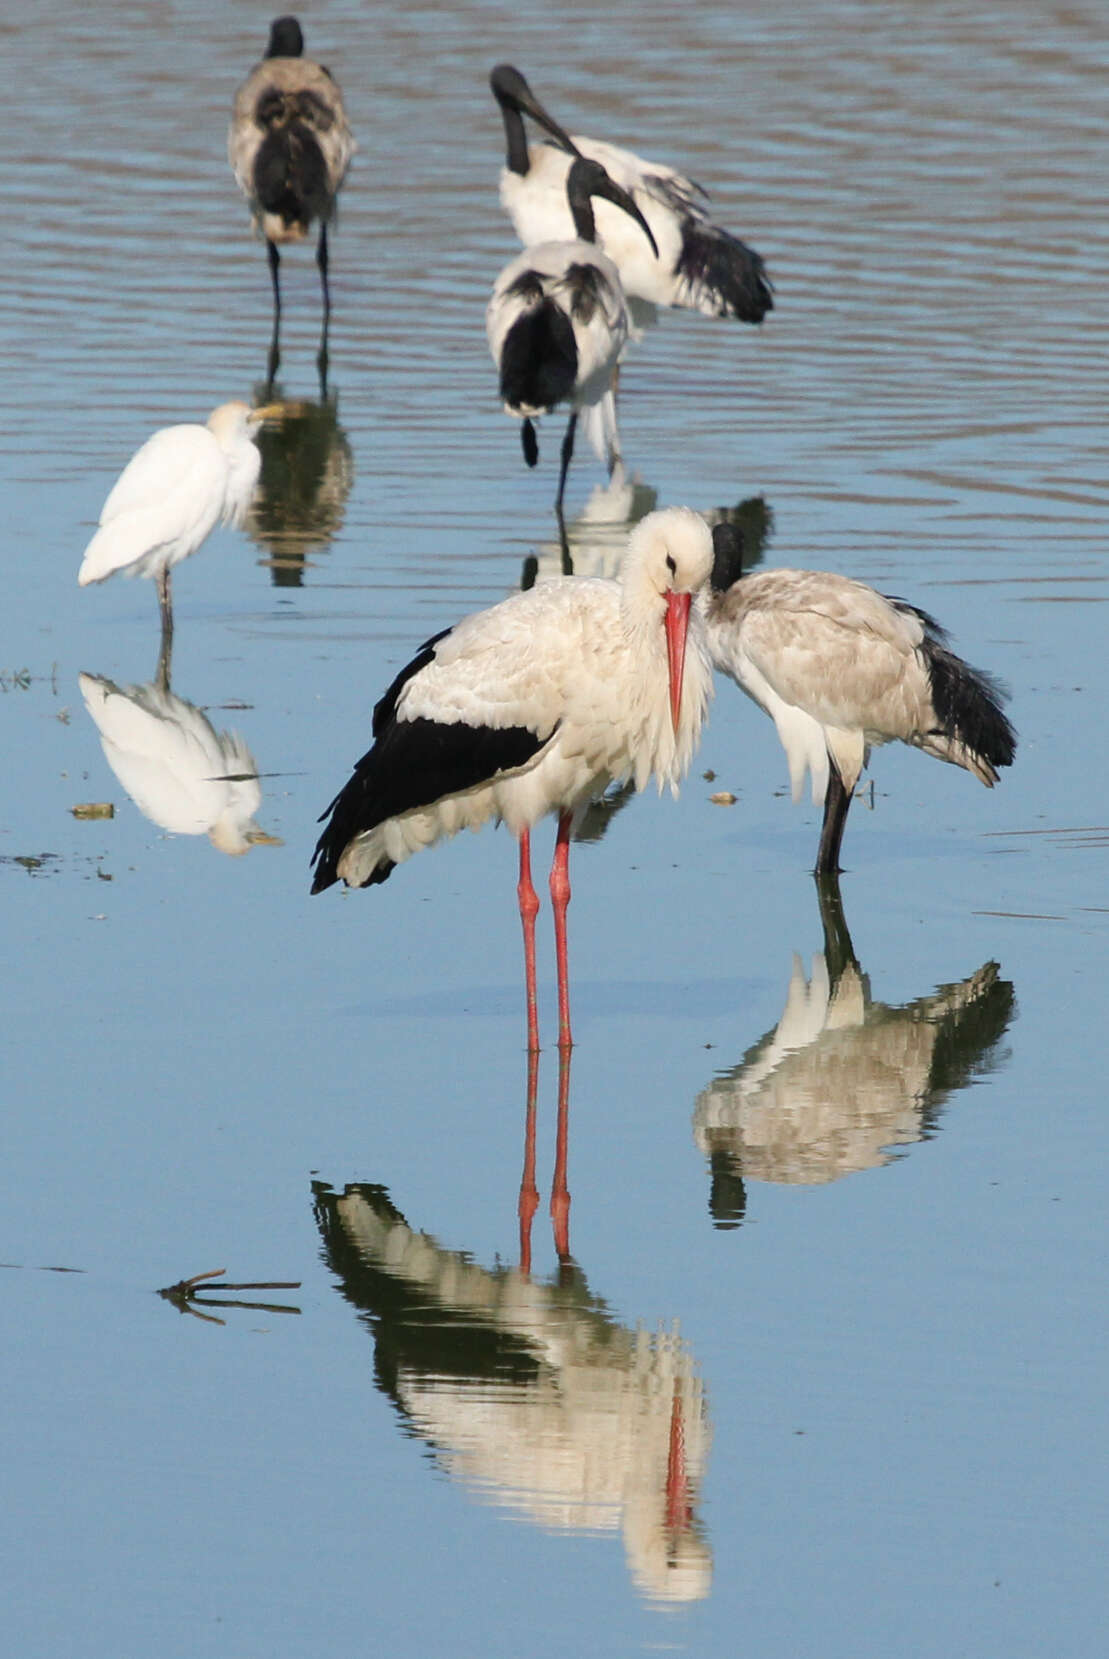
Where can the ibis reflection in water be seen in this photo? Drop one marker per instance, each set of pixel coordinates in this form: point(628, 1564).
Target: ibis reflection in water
point(531, 1393)
point(306, 476)
point(842, 1079)
point(289, 146)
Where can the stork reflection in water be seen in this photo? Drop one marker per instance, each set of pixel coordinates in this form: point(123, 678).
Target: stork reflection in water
point(842, 1079)
point(530, 1393)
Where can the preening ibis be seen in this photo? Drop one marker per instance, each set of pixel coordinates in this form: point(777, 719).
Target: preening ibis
point(530, 707)
point(171, 495)
point(692, 263)
point(289, 147)
point(840, 668)
point(557, 322)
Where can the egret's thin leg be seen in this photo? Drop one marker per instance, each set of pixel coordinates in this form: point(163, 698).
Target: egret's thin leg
point(560, 1192)
point(529, 1193)
point(560, 898)
point(529, 909)
point(837, 799)
point(165, 603)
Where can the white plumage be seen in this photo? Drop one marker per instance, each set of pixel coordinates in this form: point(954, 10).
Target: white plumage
point(180, 772)
point(534, 706)
point(557, 322)
point(697, 266)
point(841, 668)
point(171, 495)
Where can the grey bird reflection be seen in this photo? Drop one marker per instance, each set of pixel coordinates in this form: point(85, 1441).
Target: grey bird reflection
point(842, 1080)
point(595, 541)
point(530, 1392)
point(306, 476)
point(180, 772)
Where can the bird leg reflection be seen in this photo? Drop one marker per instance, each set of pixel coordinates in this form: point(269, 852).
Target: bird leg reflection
point(322, 358)
point(529, 909)
point(839, 952)
point(273, 360)
point(560, 1193)
point(165, 660)
point(560, 898)
point(529, 1192)
point(567, 452)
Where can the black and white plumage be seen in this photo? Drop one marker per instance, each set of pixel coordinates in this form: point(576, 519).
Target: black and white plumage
point(841, 668)
point(289, 147)
point(695, 265)
point(530, 707)
point(557, 322)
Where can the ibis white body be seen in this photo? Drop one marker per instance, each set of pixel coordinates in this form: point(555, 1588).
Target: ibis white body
point(841, 668)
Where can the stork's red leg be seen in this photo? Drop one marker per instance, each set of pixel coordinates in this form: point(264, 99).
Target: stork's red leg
point(560, 1193)
point(529, 1193)
point(560, 898)
point(529, 909)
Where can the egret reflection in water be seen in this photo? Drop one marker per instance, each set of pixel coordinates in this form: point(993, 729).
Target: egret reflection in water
point(306, 476)
point(180, 772)
point(843, 1079)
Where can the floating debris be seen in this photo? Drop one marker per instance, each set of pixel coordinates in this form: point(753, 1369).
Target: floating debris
point(93, 809)
point(723, 797)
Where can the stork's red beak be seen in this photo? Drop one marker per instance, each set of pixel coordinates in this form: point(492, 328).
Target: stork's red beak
point(677, 626)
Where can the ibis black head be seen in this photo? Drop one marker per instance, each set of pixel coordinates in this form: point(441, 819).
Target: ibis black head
point(587, 178)
point(727, 556)
point(516, 99)
point(286, 39)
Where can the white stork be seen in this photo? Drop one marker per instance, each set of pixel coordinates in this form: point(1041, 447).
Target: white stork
point(840, 668)
point(557, 323)
point(289, 147)
point(171, 495)
point(692, 263)
point(530, 707)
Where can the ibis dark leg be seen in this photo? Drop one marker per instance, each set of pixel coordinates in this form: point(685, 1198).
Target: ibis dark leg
point(274, 357)
point(836, 802)
point(560, 898)
point(529, 909)
point(529, 1193)
point(322, 354)
point(564, 467)
point(560, 1192)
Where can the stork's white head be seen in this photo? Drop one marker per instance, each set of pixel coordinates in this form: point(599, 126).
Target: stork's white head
point(669, 559)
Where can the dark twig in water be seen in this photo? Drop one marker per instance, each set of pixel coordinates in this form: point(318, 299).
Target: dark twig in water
point(186, 1298)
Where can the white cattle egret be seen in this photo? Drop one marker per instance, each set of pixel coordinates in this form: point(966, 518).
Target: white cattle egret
point(171, 495)
point(840, 668)
point(289, 147)
point(530, 707)
point(557, 323)
point(691, 263)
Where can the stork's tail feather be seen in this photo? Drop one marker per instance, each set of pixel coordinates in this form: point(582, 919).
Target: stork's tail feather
point(973, 730)
point(539, 360)
point(722, 276)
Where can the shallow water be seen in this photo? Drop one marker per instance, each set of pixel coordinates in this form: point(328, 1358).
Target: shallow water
point(815, 1363)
